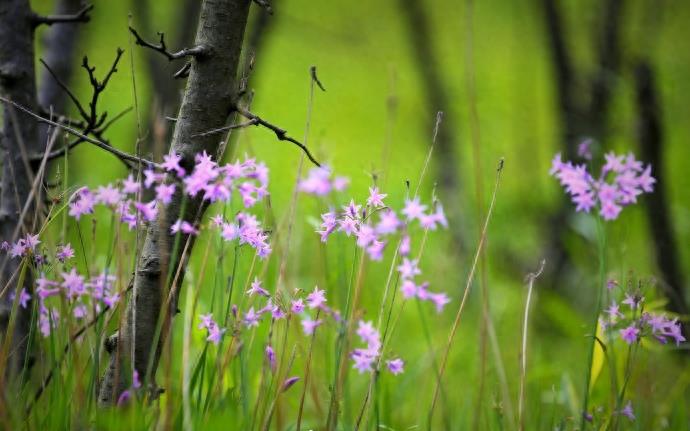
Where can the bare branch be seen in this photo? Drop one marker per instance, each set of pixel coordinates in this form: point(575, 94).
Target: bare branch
point(266, 5)
point(183, 72)
point(252, 122)
point(118, 153)
point(64, 87)
point(197, 51)
point(80, 16)
point(281, 134)
point(312, 72)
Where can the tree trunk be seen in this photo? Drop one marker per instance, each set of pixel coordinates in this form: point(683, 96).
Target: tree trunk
point(19, 138)
point(208, 100)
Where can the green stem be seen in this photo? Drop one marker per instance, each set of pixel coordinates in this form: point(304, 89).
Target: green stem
point(601, 237)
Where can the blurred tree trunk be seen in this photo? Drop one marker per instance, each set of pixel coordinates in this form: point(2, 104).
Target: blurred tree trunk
point(60, 43)
point(22, 137)
point(19, 139)
point(651, 138)
point(167, 92)
point(583, 103)
point(208, 100)
point(445, 153)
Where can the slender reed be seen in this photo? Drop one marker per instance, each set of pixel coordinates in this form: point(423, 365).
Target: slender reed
point(470, 277)
point(523, 353)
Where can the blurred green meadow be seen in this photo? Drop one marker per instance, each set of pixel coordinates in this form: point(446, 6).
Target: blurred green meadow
point(499, 51)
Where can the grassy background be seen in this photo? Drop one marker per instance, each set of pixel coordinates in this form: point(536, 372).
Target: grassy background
point(363, 56)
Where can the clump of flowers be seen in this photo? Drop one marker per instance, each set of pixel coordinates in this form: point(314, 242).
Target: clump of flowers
point(208, 180)
point(621, 180)
point(365, 358)
point(632, 322)
point(58, 280)
point(374, 225)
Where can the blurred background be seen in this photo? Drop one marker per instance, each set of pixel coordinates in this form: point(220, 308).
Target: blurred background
point(518, 80)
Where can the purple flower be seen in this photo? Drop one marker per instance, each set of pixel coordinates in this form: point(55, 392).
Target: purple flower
point(271, 357)
point(74, 283)
point(81, 203)
point(375, 198)
point(108, 195)
point(171, 163)
point(287, 384)
point(257, 289)
point(395, 366)
point(309, 325)
point(409, 268)
point(348, 225)
point(627, 411)
point(183, 226)
point(388, 223)
point(164, 192)
point(413, 209)
point(24, 297)
point(440, 300)
point(297, 306)
point(316, 298)
point(148, 210)
point(584, 149)
point(251, 318)
point(130, 185)
point(64, 252)
point(630, 334)
point(621, 180)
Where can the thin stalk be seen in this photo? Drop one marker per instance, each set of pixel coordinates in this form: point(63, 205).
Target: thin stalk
point(465, 295)
point(523, 354)
point(601, 236)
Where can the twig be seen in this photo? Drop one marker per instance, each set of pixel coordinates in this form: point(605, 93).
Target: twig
point(197, 51)
point(281, 134)
point(312, 72)
point(183, 72)
point(118, 153)
point(523, 354)
point(80, 16)
point(252, 122)
point(64, 87)
point(266, 5)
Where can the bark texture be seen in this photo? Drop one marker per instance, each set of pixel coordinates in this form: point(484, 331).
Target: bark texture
point(583, 103)
point(650, 135)
point(60, 44)
point(19, 138)
point(208, 100)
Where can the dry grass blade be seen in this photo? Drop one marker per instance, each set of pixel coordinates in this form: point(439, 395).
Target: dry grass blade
point(465, 294)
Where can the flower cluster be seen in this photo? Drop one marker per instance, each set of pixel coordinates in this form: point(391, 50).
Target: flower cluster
point(621, 181)
point(365, 358)
point(319, 182)
point(373, 224)
point(215, 332)
point(207, 179)
point(637, 323)
point(23, 247)
point(84, 294)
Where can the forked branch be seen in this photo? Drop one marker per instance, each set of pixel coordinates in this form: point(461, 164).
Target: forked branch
point(281, 134)
point(197, 51)
point(80, 16)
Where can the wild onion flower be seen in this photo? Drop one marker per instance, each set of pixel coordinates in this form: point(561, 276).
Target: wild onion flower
point(64, 253)
point(287, 384)
point(214, 332)
point(621, 180)
point(627, 411)
point(309, 325)
point(257, 289)
point(636, 325)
